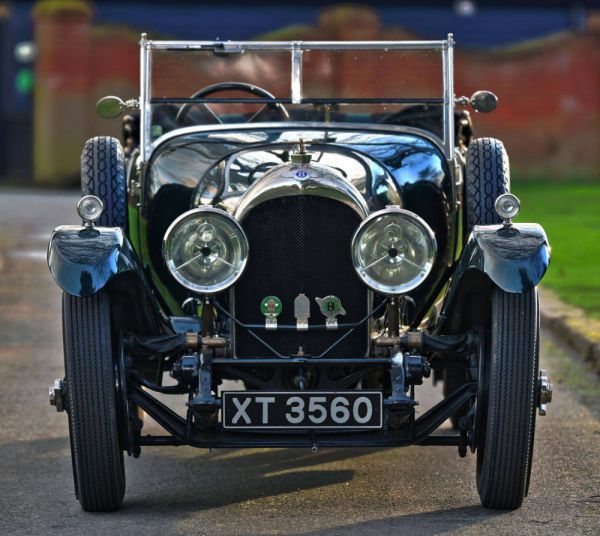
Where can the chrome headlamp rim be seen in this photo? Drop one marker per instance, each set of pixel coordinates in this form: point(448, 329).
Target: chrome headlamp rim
point(202, 289)
point(393, 209)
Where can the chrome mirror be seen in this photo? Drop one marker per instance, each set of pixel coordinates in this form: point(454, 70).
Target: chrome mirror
point(483, 101)
point(110, 107)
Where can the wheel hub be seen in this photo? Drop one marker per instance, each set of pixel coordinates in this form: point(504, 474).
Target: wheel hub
point(545, 389)
point(56, 395)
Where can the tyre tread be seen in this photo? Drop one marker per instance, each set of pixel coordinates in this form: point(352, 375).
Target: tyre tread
point(103, 175)
point(97, 458)
point(505, 465)
point(487, 176)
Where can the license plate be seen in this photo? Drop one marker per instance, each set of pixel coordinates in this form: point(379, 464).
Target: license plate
point(302, 409)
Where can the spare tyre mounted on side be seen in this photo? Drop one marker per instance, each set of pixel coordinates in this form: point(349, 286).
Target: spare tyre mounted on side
point(487, 176)
point(103, 175)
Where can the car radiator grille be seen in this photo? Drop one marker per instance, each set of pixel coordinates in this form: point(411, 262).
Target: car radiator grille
point(300, 244)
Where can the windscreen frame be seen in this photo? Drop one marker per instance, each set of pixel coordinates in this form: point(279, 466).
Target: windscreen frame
point(296, 48)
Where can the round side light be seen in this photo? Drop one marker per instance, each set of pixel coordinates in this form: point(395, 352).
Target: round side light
point(90, 208)
point(507, 206)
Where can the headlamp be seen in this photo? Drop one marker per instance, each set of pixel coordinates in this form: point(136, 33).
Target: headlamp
point(205, 250)
point(393, 250)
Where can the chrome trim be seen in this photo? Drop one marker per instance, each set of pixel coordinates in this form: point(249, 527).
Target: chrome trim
point(56, 395)
point(188, 284)
point(290, 45)
point(325, 182)
point(545, 389)
point(397, 210)
point(448, 74)
point(145, 107)
point(296, 89)
point(299, 125)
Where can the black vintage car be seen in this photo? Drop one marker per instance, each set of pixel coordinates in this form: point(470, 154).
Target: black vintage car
point(295, 259)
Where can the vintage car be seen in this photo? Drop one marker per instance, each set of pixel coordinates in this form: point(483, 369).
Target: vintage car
point(290, 239)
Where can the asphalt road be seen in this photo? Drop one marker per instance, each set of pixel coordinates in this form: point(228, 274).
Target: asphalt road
point(416, 490)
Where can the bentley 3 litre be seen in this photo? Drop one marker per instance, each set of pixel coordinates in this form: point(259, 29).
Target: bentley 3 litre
point(292, 236)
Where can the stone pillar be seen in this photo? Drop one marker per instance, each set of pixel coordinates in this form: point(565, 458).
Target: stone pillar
point(62, 84)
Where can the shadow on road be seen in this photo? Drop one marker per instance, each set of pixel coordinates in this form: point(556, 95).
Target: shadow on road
point(436, 522)
point(182, 480)
point(228, 477)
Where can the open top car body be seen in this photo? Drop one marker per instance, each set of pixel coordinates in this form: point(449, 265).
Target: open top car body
point(282, 218)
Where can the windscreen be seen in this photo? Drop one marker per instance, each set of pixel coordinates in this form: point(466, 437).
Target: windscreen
point(249, 84)
point(372, 74)
point(183, 73)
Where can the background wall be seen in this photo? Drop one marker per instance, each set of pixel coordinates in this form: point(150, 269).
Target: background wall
point(544, 65)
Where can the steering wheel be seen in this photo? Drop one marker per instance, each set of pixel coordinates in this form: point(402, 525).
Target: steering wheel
point(231, 86)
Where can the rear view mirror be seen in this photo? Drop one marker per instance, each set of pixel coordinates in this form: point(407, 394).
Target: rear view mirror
point(484, 101)
point(110, 107)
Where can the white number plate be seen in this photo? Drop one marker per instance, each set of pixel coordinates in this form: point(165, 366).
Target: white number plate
point(302, 409)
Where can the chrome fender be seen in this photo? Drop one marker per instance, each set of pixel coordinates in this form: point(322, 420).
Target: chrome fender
point(83, 260)
point(514, 257)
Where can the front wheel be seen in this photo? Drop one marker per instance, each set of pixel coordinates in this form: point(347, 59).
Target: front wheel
point(98, 468)
point(507, 400)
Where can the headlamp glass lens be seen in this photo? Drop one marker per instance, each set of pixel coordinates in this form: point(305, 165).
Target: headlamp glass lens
point(206, 250)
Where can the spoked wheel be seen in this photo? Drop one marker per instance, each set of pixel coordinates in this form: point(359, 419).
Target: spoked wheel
point(507, 400)
point(98, 468)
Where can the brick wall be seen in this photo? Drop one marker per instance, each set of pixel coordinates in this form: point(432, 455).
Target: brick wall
point(549, 90)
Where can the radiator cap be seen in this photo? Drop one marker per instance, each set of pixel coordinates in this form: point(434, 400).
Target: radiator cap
point(300, 156)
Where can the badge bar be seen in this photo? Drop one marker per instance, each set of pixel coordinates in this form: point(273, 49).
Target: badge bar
point(330, 306)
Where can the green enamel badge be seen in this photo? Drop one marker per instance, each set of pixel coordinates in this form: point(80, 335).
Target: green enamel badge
point(270, 306)
point(330, 306)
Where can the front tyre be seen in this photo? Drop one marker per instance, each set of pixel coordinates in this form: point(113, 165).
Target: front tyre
point(506, 410)
point(98, 468)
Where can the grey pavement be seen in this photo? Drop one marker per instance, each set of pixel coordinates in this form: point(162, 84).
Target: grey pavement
point(416, 490)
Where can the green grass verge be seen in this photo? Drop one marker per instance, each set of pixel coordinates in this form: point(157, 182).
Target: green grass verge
point(570, 213)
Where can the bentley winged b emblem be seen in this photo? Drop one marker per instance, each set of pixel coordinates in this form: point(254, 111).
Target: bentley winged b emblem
point(331, 307)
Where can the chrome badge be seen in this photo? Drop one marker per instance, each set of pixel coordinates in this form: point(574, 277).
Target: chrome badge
point(302, 312)
point(271, 307)
point(331, 307)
